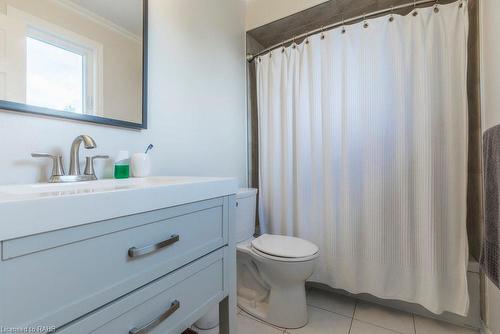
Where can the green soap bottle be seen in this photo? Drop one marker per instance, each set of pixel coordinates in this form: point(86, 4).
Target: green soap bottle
point(122, 171)
point(122, 165)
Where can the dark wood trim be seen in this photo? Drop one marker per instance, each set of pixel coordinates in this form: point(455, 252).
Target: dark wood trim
point(29, 109)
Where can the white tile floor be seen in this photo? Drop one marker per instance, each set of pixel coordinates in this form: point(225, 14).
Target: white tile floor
point(335, 314)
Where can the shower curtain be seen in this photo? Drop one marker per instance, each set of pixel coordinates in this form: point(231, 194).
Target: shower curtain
point(363, 150)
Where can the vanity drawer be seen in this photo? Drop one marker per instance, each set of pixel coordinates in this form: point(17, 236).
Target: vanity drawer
point(66, 274)
point(168, 305)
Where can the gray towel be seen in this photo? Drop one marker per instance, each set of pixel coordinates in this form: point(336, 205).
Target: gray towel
point(490, 259)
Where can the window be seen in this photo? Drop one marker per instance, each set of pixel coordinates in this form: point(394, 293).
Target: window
point(63, 70)
point(55, 77)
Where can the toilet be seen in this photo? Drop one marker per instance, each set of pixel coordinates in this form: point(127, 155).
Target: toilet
point(271, 270)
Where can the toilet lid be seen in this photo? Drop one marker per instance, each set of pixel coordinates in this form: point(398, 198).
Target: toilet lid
point(284, 246)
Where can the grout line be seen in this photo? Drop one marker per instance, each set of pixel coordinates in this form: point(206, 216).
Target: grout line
point(356, 302)
point(330, 311)
point(414, 324)
point(379, 326)
point(352, 319)
point(324, 309)
point(251, 317)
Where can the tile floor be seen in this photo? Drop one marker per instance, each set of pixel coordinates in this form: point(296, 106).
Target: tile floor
point(335, 314)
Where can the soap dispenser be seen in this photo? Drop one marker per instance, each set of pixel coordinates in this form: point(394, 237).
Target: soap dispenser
point(122, 165)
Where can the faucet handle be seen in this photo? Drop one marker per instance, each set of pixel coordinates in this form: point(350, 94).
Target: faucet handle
point(57, 166)
point(89, 164)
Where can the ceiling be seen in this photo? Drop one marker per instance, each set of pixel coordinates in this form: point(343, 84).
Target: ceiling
point(126, 14)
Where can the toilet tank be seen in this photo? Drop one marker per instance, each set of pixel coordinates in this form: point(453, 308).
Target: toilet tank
point(246, 201)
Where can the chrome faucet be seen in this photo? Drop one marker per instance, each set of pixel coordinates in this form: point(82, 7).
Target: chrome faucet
point(58, 175)
point(74, 163)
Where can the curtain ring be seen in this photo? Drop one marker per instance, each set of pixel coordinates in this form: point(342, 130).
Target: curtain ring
point(415, 12)
point(365, 24)
point(282, 47)
point(461, 5)
point(293, 43)
point(436, 9)
point(322, 32)
point(391, 17)
point(307, 39)
point(343, 26)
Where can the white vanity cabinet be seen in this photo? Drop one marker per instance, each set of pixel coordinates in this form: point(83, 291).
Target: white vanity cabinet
point(154, 271)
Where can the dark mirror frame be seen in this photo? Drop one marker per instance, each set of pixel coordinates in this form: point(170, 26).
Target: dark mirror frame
point(25, 108)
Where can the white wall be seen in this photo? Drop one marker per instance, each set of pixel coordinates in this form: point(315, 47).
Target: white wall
point(490, 44)
point(197, 101)
point(260, 12)
point(490, 73)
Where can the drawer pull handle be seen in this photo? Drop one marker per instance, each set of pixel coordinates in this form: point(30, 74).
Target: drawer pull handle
point(153, 323)
point(135, 252)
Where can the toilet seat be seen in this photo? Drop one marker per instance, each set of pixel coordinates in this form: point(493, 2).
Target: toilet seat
point(283, 259)
point(284, 248)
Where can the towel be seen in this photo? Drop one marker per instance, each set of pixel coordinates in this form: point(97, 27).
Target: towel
point(490, 253)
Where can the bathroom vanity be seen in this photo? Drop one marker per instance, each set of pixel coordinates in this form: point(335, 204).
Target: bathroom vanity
point(134, 256)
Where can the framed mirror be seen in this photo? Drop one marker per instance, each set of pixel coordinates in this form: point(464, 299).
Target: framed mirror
point(75, 59)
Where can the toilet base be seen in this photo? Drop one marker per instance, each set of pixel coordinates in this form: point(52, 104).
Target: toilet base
point(285, 308)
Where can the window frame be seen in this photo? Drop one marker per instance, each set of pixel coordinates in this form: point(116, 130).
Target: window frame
point(142, 125)
point(91, 51)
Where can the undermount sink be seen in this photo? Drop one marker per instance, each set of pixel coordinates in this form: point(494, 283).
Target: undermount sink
point(37, 208)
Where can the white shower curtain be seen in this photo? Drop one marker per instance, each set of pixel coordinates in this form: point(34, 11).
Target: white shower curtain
point(363, 150)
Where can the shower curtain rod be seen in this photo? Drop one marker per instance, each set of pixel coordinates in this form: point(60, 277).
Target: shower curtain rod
point(251, 57)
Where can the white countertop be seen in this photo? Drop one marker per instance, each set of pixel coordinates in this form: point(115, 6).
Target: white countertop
point(37, 208)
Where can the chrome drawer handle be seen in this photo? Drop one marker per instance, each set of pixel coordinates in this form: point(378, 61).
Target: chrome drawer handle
point(135, 252)
point(152, 324)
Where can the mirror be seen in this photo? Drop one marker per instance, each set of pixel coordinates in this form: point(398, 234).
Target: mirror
point(76, 59)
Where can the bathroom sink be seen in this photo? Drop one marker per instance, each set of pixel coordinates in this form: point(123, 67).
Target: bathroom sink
point(37, 208)
point(64, 189)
